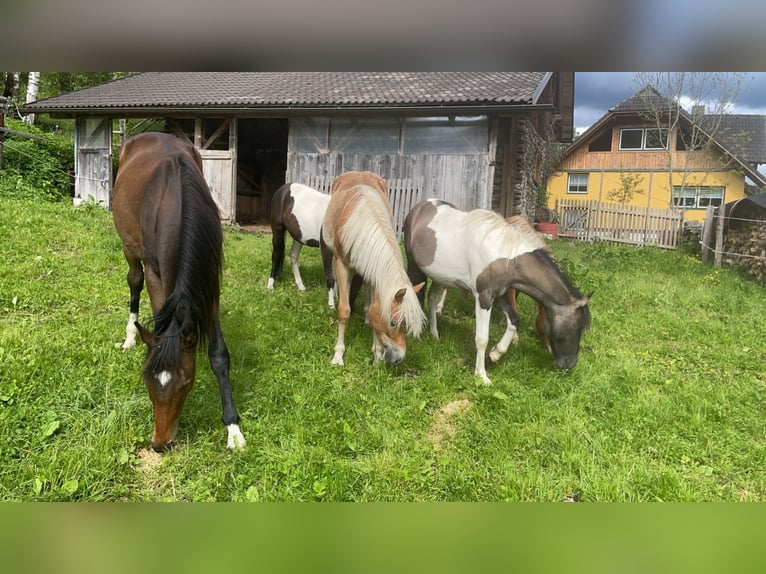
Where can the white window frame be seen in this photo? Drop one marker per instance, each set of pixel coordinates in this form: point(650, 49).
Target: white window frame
point(701, 196)
point(644, 132)
point(578, 185)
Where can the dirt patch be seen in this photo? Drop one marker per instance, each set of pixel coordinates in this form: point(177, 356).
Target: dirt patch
point(148, 459)
point(445, 422)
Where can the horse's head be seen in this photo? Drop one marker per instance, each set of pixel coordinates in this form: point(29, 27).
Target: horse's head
point(389, 336)
point(563, 327)
point(168, 374)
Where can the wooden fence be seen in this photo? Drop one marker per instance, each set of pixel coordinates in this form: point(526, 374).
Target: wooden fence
point(586, 220)
point(403, 194)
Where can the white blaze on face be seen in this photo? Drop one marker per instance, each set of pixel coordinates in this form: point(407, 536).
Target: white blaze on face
point(163, 378)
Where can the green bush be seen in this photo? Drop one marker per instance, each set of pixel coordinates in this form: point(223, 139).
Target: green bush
point(36, 168)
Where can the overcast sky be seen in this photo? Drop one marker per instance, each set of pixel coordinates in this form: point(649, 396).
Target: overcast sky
point(596, 92)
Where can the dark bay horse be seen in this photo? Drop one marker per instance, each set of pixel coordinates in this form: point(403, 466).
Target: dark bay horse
point(358, 232)
point(479, 252)
point(172, 238)
point(298, 209)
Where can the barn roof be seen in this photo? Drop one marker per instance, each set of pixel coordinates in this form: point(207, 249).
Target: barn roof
point(236, 91)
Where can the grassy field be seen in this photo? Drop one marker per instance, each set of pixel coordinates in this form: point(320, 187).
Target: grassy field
point(666, 403)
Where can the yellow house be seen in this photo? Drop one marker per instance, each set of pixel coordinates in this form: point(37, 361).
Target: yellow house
point(630, 157)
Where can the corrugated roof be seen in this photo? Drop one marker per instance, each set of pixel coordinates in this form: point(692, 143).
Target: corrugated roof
point(299, 89)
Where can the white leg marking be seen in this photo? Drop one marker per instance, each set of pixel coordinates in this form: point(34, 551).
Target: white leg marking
point(510, 336)
point(482, 336)
point(130, 332)
point(435, 305)
point(440, 304)
point(236, 439)
point(340, 345)
point(331, 298)
point(270, 284)
point(295, 250)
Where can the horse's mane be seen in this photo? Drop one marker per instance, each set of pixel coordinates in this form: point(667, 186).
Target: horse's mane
point(516, 232)
point(191, 307)
point(545, 257)
point(368, 236)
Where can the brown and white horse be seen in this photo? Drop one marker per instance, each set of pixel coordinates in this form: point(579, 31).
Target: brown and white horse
point(479, 252)
point(171, 235)
point(358, 231)
point(299, 210)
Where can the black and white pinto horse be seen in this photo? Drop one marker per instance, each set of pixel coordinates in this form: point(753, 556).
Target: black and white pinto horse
point(299, 210)
point(479, 252)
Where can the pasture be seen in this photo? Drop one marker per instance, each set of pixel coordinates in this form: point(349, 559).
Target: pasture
point(666, 403)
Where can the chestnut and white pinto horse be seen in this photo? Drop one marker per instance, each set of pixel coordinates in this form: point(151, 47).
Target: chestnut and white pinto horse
point(299, 210)
point(358, 233)
point(479, 252)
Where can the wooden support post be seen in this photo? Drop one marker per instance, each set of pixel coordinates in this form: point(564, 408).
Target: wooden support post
point(719, 237)
point(707, 233)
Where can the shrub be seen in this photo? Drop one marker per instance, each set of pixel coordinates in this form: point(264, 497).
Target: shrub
point(38, 167)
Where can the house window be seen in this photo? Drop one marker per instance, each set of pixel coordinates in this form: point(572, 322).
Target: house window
point(697, 197)
point(578, 183)
point(602, 143)
point(643, 138)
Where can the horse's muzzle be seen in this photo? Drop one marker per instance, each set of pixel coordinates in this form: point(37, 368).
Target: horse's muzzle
point(565, 363)
point(393, 355)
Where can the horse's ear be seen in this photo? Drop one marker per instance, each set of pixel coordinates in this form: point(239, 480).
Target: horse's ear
point(399, 297)
point(146, 335)
point(419, 286)
point(584, 301)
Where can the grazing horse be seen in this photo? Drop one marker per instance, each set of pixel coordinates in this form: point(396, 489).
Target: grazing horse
point(509, 308)
point(298, 210)
point(479, 252)
point(358, 232)
point(171, 236)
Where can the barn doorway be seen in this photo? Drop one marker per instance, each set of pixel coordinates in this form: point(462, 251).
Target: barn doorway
point(261, 166)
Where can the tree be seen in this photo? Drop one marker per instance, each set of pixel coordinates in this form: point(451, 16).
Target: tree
point(629, 186)
point(707, 95)
point(33, 87)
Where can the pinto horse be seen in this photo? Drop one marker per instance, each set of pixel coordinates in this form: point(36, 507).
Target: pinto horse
point(298, 210)
point(479, 252)
point(358, 233)
point(171, 235)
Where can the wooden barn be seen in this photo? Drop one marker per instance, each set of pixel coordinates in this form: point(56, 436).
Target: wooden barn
point(477, 139)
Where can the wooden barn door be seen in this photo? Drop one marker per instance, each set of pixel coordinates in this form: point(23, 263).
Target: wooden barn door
point(216, 140)
point(93, 160)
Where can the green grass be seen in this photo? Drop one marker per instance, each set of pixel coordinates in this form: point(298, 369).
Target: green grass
point(666, 403)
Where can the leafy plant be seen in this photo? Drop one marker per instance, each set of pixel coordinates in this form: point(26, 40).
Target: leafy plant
point(36, 167)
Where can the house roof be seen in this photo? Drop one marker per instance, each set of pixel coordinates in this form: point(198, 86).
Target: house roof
point(234, 91)
point(648, 98)
point(733, 136)
point(745, 134)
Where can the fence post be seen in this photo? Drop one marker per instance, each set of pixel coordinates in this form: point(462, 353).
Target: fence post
point(2, 127)
point(719, 237)
point(707, 233)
